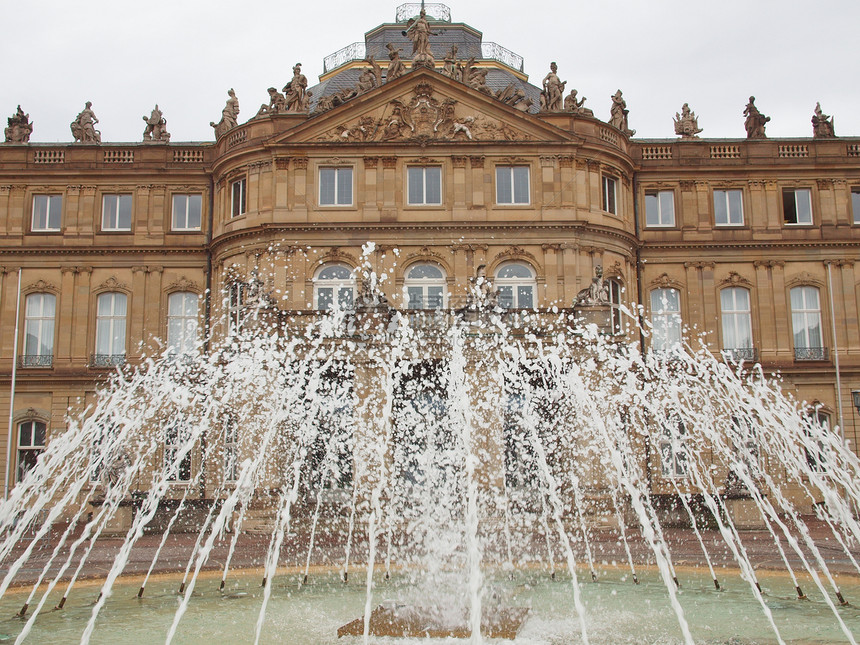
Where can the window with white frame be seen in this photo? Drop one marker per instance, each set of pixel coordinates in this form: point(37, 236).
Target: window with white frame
point(512, 185)
point(736, 322)
point(424, 185)
point(806, 324)
point(231, 448)
point(31, 444)
point(111, 309)
point(610, 189)
point(615, 290)
point(335, 186)
point(425, 287)
point(238, 199)
point(236, 304)
point(674, 457)
point(797, 206)
point(116, 212)
point(515, 283)
point(659, 208)
point(728, 207)
point(47, 211)
point(665, 320)
point(182, 323)
point(855, 204)
point(39, 315)
point(334, 283)
point(187, 212)
point(177, 453)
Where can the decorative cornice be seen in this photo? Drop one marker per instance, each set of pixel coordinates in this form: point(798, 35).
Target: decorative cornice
point(183, 284)
point(735, 279)
point(663, 281)
point(804, 278)
point(40, 286)
point(112, 284)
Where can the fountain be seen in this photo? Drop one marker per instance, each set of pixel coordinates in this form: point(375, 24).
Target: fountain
point(451, 468)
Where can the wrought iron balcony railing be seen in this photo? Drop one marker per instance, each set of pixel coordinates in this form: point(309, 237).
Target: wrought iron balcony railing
point(738, 354)
point(811, 354)
point(435, 11)
point(36, 360)
point(107, 360)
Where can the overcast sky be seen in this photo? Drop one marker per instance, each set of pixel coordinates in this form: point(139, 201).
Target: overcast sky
point(185, 54)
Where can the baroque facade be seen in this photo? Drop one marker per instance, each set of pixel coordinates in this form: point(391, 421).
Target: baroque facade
point(449, 155)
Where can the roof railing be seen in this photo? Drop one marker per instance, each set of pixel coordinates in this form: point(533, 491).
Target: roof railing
point(434, 11)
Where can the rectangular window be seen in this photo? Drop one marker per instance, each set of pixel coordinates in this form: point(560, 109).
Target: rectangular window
point(31, 444)
point(177, 453)
point(46, 212)
point(110, 328)
point(728, 208)
point(182, 322)
point(425, 185)
point(335, 186)
point(187, 212)
point(855, 203)
point(806, 324)
point(797, 206)
point(116, 213)
point(609, 194)
point(673, 449)
point(665, 320)
point(512, 184)
point(737, 325)
point(237, 197)
point(39, 314)
point(659, 208)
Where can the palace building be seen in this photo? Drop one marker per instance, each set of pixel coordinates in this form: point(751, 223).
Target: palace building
point(438, 146)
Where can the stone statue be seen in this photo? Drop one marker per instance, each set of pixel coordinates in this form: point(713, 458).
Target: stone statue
point(19, 128)
point(551, 98)
point(277, 103)
point(375, 69)
point(572, 104)
point(524, 105)
point(418, 31)
point(396, 68)
point(618, 114)
point(367, 81)
point(478, 81)
point(595, 294)
point(822, 124)
point(229, 115)
point(296, 90)
point(156, 127)
point(83, 127)
point(449, 68)
point(686, 124)
point(755, 121)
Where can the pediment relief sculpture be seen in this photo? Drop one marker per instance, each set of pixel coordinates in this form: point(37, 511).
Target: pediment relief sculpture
point(804, 278)
point(41, 286)
point(423, 117)
point(735, 279)
point(112, 284)
point(184, 284)
point(664, 281)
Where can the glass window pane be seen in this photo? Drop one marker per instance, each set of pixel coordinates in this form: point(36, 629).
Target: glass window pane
point(855, 204)
point(433, 179)
point(736, 207)
point(195, 211)
point(425, 271)
point(667, 208)
point(124, 218)
point(344, 186)
point(504, 190)
point(416, 297)
point(514, 271)
point(521, 184)
point(652, 209)
point(119, 304)
point(804, 207)
point(416, 185)
point(506, 296)
point(109, 217)
point(721, 215)
point(180, 203)
point(39, 434)
point(26, 438)
point(56, 207)
point(345, 297)
point(327, 186)
point(525, 297)
point(434, 297)
point(325, 298)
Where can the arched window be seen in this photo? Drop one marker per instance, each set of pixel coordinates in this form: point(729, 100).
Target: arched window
point(31, 444)
point(806, 324)
point(737, 328)
point(39, 314)
point(425, 287)
point(110, 329)
point(334, 281)
point(182, 322)
point(515, 282)
point(665, 320)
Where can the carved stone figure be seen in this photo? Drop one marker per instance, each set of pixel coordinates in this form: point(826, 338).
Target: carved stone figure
point(19, 128)
point(618, 114)
point(572, 104)
point(686, 124)
point(822, 124)
point(462, 125)
point(597, 293)
point(755, 121)
point(276, 105)
point(478, 81)
point(418, 31)
point(524, 105)
point(83, 127)
point(449, 68)
point(396, 68)
point(296, 90)
point(376, 70)
point(551, 98)
point(156, 127)
point(229, 115)
point(367, 81)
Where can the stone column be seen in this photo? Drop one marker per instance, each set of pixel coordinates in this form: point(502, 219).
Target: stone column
point(709, 306)
point(695, 304)
point(300, 198)
point(765, 312)
point(281, 208)
point(153, 319)
point(65, 319)
point(784, 339)
point(461, 184)
point(136, 310)
point(82, 336)
point(548, 184)
point(479, 191)
point(570, 272)
point(550, 263)
point(368, 199)
point(568, 194)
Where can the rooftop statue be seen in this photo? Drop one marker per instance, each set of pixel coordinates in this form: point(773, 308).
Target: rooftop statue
point(755, 121)
point(552, 96)
point(367, 81)
point(277, 103)
point(418, 31)
point(478, 81)
point(156, 127)
point(83, 127)
point(571, 104)
point(450, 67)
point(228, 115)
point(19, 128)
point(396, 68)
point(618, 114)
point(597, 293)
point(296, 91)
point(512, 95)
point(686, 124)
point(822, 124)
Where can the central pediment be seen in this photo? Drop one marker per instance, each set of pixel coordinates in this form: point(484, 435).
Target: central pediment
point(423, 106)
